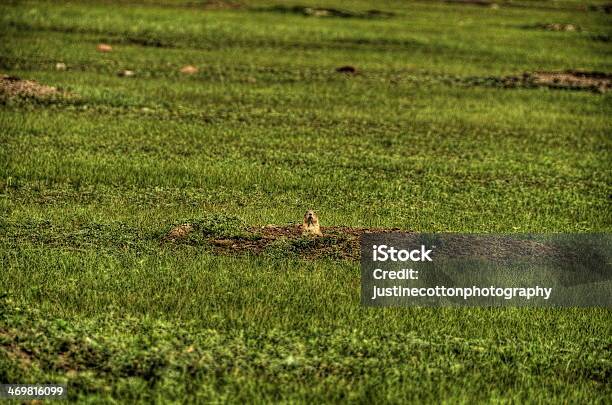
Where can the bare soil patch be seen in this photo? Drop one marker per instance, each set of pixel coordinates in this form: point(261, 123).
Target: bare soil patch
point(574, 79)
point(343, 243)
point(496, 248)
point(12, 87)
point(564, 80)
point(336, 242)
point(571, 80)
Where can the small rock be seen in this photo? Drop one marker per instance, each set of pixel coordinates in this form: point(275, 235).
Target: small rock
point(189, 69)
point(104, 48)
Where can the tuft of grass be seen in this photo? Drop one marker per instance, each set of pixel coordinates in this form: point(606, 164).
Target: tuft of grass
point(219, 225)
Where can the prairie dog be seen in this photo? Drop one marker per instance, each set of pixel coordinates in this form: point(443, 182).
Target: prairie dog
point(179, 232)
point(310, 226)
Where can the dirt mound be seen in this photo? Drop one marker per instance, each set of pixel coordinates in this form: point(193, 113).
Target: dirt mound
point(344, 243)
point(569, 78)
point(14, 87)
point(295, 231)
point(572, 79)
point(336, 242)
point(565, 80)
point(495, 248)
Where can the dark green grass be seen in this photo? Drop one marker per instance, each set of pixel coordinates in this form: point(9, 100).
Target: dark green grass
point(266, 130)
point(183, 324)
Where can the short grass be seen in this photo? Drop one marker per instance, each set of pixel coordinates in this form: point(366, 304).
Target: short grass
point(265, 130)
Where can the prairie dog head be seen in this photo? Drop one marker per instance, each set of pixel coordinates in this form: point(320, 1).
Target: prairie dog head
point(310, 226)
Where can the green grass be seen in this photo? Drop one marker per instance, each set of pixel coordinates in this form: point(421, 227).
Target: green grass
point(265, 130)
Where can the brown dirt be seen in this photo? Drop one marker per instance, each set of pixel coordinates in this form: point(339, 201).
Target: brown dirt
point(344, 243)
point(573, 79)
point(14, 87)
point(568, 80)
point(496, 248)
point(336, 242)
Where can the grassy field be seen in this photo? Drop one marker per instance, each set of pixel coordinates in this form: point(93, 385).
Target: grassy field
point(424, 138)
